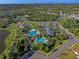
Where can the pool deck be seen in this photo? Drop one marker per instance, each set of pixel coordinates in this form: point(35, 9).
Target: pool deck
point(33, 33)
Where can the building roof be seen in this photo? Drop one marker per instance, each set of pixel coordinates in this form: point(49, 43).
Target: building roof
point(49, 31)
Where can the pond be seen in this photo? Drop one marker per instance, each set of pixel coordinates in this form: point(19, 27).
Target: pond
point(3, 35)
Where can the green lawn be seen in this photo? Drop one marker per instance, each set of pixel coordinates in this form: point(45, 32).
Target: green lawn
point(76, 46)
point(68, 54)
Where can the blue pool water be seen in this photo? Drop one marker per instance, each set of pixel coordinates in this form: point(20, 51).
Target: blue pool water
point(40, 40)
point(32, 33)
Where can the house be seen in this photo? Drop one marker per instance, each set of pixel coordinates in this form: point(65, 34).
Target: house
point(26, 15)
point(73, 16)
point(21, 26)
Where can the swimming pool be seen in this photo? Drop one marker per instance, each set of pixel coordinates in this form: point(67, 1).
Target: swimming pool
point(40, 40)
point(33, 33)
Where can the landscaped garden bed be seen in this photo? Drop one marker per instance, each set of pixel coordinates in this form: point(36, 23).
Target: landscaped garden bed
point(54, 36)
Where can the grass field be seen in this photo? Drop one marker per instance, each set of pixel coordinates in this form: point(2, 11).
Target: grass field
point(75, 46)
point(68, 54)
